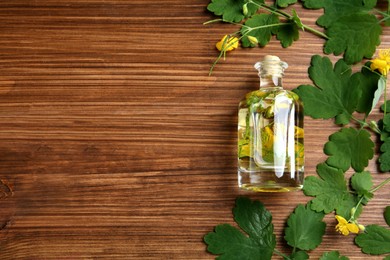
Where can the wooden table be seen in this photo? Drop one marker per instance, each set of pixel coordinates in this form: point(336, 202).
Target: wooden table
point(114, 141)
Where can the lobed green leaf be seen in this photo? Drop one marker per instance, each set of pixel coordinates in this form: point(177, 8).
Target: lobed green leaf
point(287, 34)
point(356, 35)
point(252, 217)
point(362, 182)
point(329, 190)
point(335, 93)
point(305, 228)
point(350, 147)
point(348, 202)
point(375, 240)
point(334, 9)
point(260, 26)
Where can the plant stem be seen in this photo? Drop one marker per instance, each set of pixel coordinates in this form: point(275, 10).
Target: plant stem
point(213, 21)
point(381, 185)
point(352, 218)
point(227, 44)
point(365, 124)
point(385, 97)
point(290, 17)
point(281, 254)
point(316, 32)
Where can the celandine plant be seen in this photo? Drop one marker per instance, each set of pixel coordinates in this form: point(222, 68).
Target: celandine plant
point(352, 28)
point(342, 96)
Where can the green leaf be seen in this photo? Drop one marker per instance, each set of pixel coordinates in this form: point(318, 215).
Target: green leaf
point(348, 202)
point(232, 10)
point(296, 19)
point(349, 147)
point(255, 220)
point(384, 158)
point(287, 34)
point(375, 240)
point(252, 217)
point(261, 26)
point(305, 228)
point(334, 9)
point(335, 93)
point(314, 4)
point(371, 91)
point(386, 122)
point(356, 35)
point(362, 183)
point(387, 107)
point(379, 92)
point(387, 258)
point(299, 255)
point(333, 255)
point(329, 190)
point(228, 241)
point(386, 214)
point(285, 3)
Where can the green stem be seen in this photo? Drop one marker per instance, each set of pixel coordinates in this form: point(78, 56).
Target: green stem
point(352, 218)
point(385, 97)
point(315, 32)
point(385, 15)
point(226, 46)
point(388, 6)
point(383, 183)
point(281, 254)
point(249, 29)
point(363, 124)
point(290, 17)
point(213, 21)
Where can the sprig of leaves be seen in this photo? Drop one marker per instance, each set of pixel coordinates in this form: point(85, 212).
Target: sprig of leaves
point(348, 149)
point(304, 231)
point(352, 28)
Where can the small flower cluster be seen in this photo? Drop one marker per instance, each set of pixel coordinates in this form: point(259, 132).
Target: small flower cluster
point(382, 62)
point(345, 227)
point(228, 43)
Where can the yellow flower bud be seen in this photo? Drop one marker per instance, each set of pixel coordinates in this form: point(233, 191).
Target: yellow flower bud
point(253, 39)
point(353, 211)
point(361, 227)
point(245, 9)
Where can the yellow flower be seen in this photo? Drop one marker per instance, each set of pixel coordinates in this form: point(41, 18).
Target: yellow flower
point(382, 63)
point(228, 43)
point(344, 227)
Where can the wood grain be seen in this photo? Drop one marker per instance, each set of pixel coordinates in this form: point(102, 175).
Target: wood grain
point(114, 141)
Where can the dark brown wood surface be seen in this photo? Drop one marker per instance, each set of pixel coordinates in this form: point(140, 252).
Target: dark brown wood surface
point(116, 144)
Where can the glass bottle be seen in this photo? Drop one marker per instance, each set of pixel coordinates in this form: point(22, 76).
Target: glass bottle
point(270, 133)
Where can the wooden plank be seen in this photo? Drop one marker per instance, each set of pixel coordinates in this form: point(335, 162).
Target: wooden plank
point(114, 141)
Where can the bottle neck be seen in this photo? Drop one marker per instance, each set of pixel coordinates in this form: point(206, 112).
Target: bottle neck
point(271, 81)
point(271, 72)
